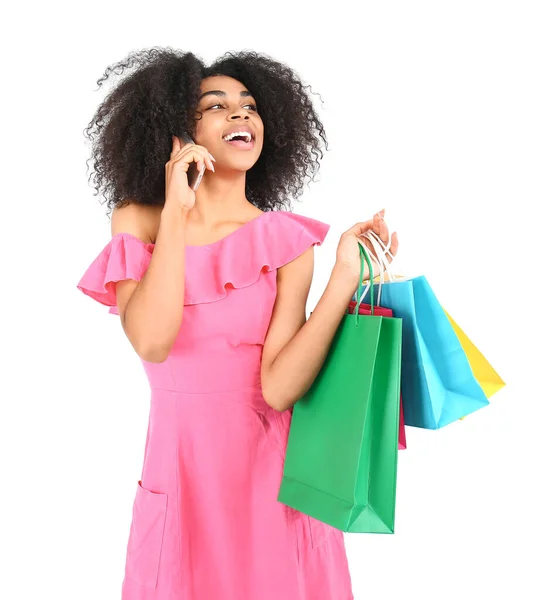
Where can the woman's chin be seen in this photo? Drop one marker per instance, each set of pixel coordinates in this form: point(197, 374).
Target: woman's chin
point(235, 164)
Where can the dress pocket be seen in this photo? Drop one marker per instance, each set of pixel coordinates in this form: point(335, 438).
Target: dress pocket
point(146, 536)
point(319, 532)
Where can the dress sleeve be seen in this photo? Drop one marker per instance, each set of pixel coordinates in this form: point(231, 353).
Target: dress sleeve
point(124, 257)
point(296, 234)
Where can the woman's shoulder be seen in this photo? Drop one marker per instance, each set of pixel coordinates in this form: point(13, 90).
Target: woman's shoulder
point(140, 220)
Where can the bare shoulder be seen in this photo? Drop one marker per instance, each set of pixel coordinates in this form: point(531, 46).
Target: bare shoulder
point(140, 220)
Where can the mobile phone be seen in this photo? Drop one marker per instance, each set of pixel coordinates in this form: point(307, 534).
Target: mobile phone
point(194, 175)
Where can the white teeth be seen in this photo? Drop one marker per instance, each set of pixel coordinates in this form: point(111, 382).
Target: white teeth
point(230, 136)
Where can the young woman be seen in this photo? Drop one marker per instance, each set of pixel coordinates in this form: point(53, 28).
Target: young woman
point(211, 288)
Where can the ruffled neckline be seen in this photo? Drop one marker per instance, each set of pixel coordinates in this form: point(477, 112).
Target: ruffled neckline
point(237, 260)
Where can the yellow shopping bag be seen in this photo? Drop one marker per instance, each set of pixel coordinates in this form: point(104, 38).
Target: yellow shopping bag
point(484, 373)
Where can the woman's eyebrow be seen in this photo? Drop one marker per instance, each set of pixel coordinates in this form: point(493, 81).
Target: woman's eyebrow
point(243, 94)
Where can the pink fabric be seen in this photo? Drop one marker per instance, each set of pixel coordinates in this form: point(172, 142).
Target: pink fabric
point(206, 522)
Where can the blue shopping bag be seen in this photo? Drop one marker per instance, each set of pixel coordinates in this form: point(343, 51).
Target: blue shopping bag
point(438, 386)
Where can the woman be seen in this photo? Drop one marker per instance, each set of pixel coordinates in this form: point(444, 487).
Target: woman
point(211, 288)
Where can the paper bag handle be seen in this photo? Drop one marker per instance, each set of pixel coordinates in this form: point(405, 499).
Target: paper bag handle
point(364, 253)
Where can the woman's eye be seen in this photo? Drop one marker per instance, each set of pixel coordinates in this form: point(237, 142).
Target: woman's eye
point(254, 107)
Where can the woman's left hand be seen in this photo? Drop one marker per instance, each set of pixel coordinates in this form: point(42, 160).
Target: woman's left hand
point(348, 252)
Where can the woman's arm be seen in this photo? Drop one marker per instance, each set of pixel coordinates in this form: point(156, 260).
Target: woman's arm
point(295, 348)
point(150, 309)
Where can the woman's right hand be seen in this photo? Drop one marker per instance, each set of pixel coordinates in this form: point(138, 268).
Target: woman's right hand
point(178, 192)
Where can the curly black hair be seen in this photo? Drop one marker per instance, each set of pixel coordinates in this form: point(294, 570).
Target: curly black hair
point(131, 129)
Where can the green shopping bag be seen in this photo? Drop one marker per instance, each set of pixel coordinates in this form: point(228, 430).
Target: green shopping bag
point(341, 457)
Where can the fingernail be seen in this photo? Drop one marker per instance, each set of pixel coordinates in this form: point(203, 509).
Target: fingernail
point(212, 157)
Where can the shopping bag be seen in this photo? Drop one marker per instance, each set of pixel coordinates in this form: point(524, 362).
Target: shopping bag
point(341, 455)
point(483, 371)
point(365, 309)
point(438, 384)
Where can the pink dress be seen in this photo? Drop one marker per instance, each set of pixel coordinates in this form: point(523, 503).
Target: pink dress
point(206, 521)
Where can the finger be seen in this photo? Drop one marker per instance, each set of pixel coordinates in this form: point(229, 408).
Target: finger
point(380, 213)
point(176, 145)
point(183, 151)
point(377, 224)
point(207, 156)
point(393, 249)
point(205, 151)
point(361, 227)
point(381, 242)
point(199, 154)
point(383, 231)
point(364, 226)
point(188, 155)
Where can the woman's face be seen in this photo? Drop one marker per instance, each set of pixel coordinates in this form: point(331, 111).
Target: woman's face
point(226, 106)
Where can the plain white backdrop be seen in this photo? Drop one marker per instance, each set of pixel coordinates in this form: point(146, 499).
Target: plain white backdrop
point(436, 111)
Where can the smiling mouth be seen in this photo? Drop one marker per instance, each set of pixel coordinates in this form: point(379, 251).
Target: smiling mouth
point(241, 143)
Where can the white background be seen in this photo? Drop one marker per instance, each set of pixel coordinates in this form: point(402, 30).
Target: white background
point(436, 111)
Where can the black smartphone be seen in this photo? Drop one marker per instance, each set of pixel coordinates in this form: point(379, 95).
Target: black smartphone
point(194, 175)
